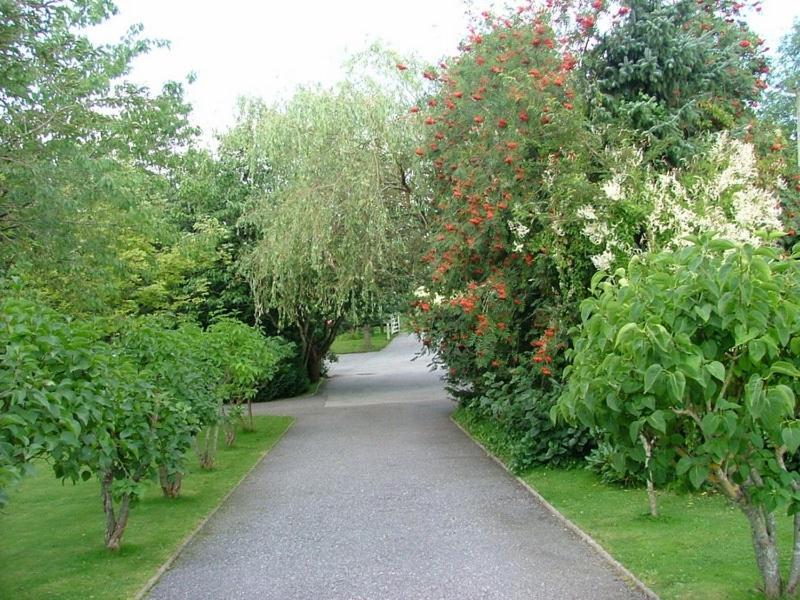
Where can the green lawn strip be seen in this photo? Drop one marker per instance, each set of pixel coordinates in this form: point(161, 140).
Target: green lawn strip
point(53, 534)
point(351, 342)
point(700, 546)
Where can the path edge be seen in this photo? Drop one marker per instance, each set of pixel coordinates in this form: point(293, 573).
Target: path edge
point(580, 533)
point(151, 583)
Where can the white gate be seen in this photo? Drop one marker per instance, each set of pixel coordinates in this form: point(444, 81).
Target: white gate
point(392, 326)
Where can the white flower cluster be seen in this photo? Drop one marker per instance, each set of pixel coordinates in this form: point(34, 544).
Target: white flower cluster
point(422, 292)
point(520, 231)
point(728, 201)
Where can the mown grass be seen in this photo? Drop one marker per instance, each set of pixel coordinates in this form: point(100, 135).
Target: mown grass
point(700, 546)
point(350, 342)
point(52, 534)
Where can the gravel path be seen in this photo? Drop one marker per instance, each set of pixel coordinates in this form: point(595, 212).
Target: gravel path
point(375, 494)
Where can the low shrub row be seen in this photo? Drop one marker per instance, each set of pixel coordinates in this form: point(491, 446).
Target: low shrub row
point(123, 400)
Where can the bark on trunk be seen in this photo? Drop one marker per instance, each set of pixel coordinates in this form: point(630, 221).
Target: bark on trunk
point(250, 426)
point(116, 521)
point(170, 484)
point(794, 572)
point(314, 366)
point(765, 544)
point(230, 434)
point(206, 447)
point(367, 337)
point(652, 499)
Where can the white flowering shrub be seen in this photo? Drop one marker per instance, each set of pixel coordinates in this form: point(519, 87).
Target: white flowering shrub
point(718, 193)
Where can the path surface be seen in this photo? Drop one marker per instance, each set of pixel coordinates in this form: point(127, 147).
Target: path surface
point(375, 494)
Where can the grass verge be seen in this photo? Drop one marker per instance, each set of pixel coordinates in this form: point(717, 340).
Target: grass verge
point(53, 533)
point(350, 342)
point(699, 547)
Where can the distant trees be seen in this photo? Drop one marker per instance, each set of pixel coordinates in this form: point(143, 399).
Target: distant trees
point(113, 236)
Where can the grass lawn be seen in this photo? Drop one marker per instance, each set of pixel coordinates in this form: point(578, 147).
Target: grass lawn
point(52, 534)
point(699, 547)
point(350, 342)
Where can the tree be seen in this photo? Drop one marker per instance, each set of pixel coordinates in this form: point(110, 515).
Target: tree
point(172, 358)
point(49, 395)
point(782, 102)
point(71, 398)
point(82, 150)
point(688, 363)
point(333, 227)
point(671, 71)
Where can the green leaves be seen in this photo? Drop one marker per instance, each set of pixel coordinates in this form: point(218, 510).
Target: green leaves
point(790, 436)
point(717, 369)
point(676, 384)
point(784, 368)
point(650, 376)
point(721, 383)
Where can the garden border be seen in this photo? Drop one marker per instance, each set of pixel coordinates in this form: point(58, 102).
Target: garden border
point(585, 537)
point(151, 583)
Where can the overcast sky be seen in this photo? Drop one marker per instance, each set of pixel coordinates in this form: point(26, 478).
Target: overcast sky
point(268, 47)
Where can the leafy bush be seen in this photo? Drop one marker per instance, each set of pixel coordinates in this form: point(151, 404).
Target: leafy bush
point(172, 359)
point(290, 378)
point(521, 408)
point(688, 364)
point(603, 461)
point(246, 360)
point(50, 396)
point(84, 405)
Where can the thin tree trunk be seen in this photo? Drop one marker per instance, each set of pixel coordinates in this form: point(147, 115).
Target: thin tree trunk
point(367, 337)
point(251, 426)
point(652, 499)
point(115, 522)
point(765, 544)
point(230, 434)
point(206, 447)
point(794, 571)
point(170, 484)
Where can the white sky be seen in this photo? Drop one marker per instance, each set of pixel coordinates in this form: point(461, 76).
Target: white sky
point(268, 47)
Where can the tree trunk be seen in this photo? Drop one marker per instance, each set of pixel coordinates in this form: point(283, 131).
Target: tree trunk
point(116, 522)
point(250, 426)
point(230, 433)
point(794, 571)
point(765, 544)
point(652, 499)
point(367, 337)
point(206, 447)
point(314, 365)
point(170, 484)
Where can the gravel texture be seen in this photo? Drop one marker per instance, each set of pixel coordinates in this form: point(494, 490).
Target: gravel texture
point(375, 494)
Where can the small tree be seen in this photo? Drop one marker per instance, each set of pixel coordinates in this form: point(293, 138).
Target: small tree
point(172, 360)
point(688, 363)
point(49, 397)
point(81, 403)
point(246, 360)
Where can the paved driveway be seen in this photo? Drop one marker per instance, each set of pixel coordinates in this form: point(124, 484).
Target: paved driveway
point(375, 494)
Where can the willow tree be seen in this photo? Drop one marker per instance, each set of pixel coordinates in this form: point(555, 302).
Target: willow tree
point(333, 227)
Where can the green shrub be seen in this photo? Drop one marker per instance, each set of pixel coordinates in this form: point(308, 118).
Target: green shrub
point(290, 378)
point(521, 408)
point(688, 364)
